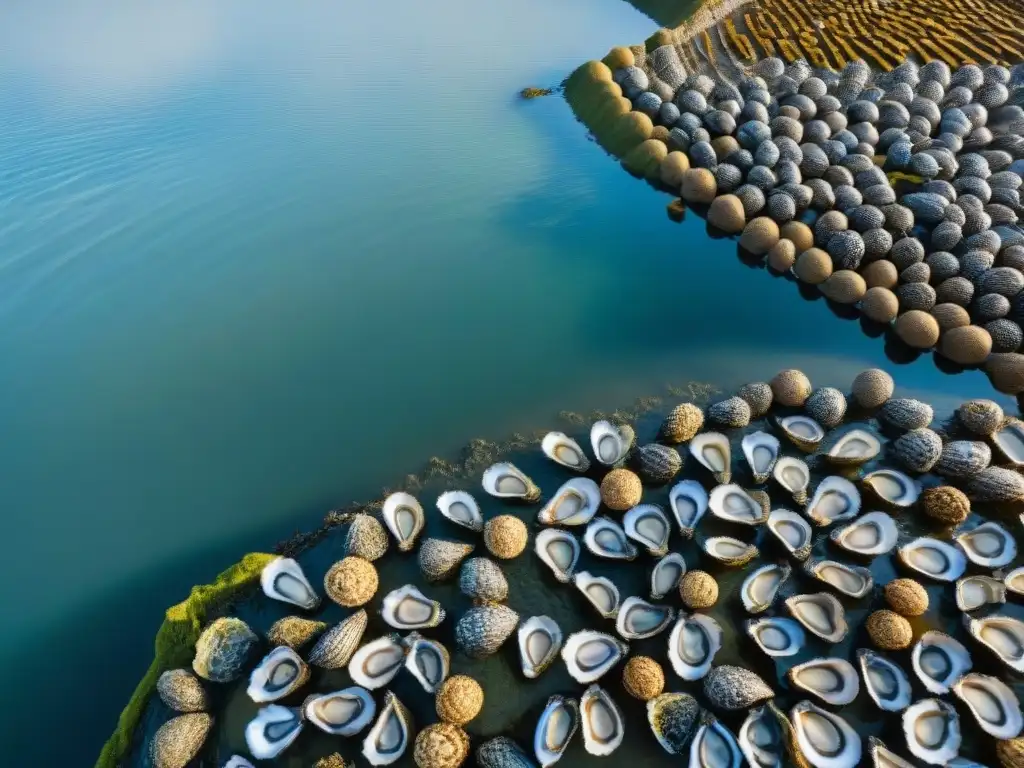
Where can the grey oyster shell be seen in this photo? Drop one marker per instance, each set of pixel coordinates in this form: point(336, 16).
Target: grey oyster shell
point(484, 628)
point(335, 647)
point(827, 406)
point(658, 463)
point(482, 579)
point(963, 458)
point(502, 752)
point(673, 718)
point(177, 742)
point(440, 558)
point(997, 485)
point(733, 412)
point(223, 649)
point(180, 690)
point(982, 417)
point(732, 688)
point(365, 537)
point(919, 449)
point(906, 413)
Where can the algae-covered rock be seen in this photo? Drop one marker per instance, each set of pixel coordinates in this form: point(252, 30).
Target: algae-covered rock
point(180, 690)
point(223, 650)
point(178, 741)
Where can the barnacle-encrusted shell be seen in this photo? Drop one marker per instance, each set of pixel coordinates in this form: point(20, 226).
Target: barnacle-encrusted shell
point(907, 413)
point(758, 396)
point(335, 647)
point(826, 405)
point(791, 388)
point(946, 504)
point(177, 742)
point(441, 558)
point(673, 720)
point(732, 412)
point(729, 687)
point(889, 631)
point(351, 582)
point(698, 589)
point(482, 579)
point(459, 699)
point(907, 597)
point(441, 745)
point(997, 484)
point(501, 752)
point(621, 489)
point(919, 449)
point(365, 537)
point(505, 536)
point(223, 649)
point(643, 678)
point(180, 690)
point(1011, 752)
point(483, 628)
point(963, 458)
point(658, 463)
point(682, 423)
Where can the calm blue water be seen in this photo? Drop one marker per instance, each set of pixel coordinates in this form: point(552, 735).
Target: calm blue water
point(259, 260)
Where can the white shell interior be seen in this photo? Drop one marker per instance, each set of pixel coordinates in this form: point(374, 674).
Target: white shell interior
point(638, 619)
point(712, 450)
point(540, 640)
point(886, 682)
point(575, 503)
point(825, 738)
point(506, 481)
point(272, 731)
point(648, 526)
point(973, 592)
point(375, 664)
point(777, 636)
point(341, 713)
point(427, 660)
point(666, 575)
point(793, 475)
point(403, 516)
point(832, 680)
point(282, 579)
point(760, 739)
point(894, 487)
point(731, 503)
point(601, 592)
point(761, 451)
point(760, 587)
point(935, 559)
point(871, 534)
point(688, 501)
point(989, 545)
point(821, 614)
point(792, 530)
point(603, 728)
point(408, 608)
point(835, 499)
point(993, 704)
point(606, 538)
point(608, 443)
point(555, 729)
point(939, 661)
point(279, 673)
point(462, 509)
point(802, 430)
point(714, 746)
point(932, 730)
point(388, 738)
point(562, 449)
point(559, 550)
point(1004, 636)
point(692, 646)
point(589, 654)
point(1009, 439)
point(854, 447)
point(726, 548)
point(850, 580)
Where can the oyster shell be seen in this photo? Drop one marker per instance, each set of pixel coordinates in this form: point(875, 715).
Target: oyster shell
point(688, 501)
point(237, 761)
point(850, 580)
point(606, 538)
point(335, 647)
point(462, 509)
point(1003, 635)
point(832, 680)
point(761, 451)
point(882, 757)
point(407, 608)
point(282, 579)
point(712, 450)
point(714, 746)
point(506, 481)
point(1014, 581)
point(760, 587)
point(557, 725)
point(793, 475)
point(803, 431)
point(761, 739)
point(963, 458)
point(893, 487)
point(363, 537)
point(777, 636)
point(792, 530)
point(853, 447)
point(732, 688)
point(427, 660)
point(404, 517)
point(821, 614)
point(575, 503)
point(932, 729)
point(974, 592)
point(280, 673)
point(658, 463)
point(559, 550)
point(692, 646)
point(993, 704)
point(389, 737)
point(825, 739)
point(906, 413)
point(730, 551)
point(933, 558)
point(870, 534)
point(601, 592)
point(638, 619)
point(483, 579)
point(666, 575)
point(375, 664)
point(939, 661)
point(341, 713)
point(1009, 441)
point(484, 628)
point(272, 731)
point(673, 719)
point(562, 449)
point(835, 499)
point(885, 681)
point(733, 504)
point(502, 752)
point(603, 726)
point(589, 654)
point(540, 640)
point(648, 526)
point(439, 559)
point(610, 443)
point(989, 545)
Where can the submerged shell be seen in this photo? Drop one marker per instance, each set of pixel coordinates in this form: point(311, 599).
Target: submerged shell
point(389, 737)
point(280, 673)
point(975, 592)
point(733, 504)
point(637, 619)
point(506, 481)
point(835, 499)
point(562, 449)
point(692, 646)
point(555, 728)
point(793, 475)
point(282, 579)
point(885, 681)
point(1003, 635)
point(606, 538)
point(589, 654)
point(729, 687)
point(730, 551)
point(893, 487)
point(404, 517)
point(272, 731)
point(340, 713)
point(648, 526)
point(575, 503)
point(933, 558)
point(611, 443)
point(427, 660)
point(407, 608)
point(375, 664)
point(989, 545)
point(993, 704)
point(825, 739)
point(803, 431)
point(850, 580)
point(760, 587)
point(600, 591)
point(712, 450)
point(688, 501)
point(714, 746)
point(540, 640)
point(792, 530)
point(853, 447)
point(870, 534)
point(939, 661)
point(603, 724)
point(559, 550)
point(673, 719)
point(832, 680)
point(462, 509)
point(666, 575)
point(761, 451)
point(932, 730)
point(484, 628)
point(777, 636)
point(821, 614)
point(335, 647)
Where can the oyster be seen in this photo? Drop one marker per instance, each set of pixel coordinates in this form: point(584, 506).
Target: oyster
point(555, 729)
point(973, 592)
point(934, 558)
point(825, 739)
point(603, 726)
point(280, 673)
point(335, 647)
point(1009, 440)
point(886, 682)
point(407, 608)
point(834, 681)
point(559, 550)
point(638, 619)
point(731, 688)
point(502, 752)
point(427, 660)
point(375, 664)
point(648, 526)
point(611, 444)
point(590, 654)
point(575, 503)
point(932, 729)
point(881, 757)
point(989, 545)
point(793, 475)
point(993, 704)
point(658, 463)
point(850, 580)
point(272, 731)
point(792, 530)
point(688, 501)
point(893, 487)
point(540, 640)
point(777, 636)
point(282, 579)
point(1003, 635)
point(562, 449)
point(666, 575)
point(462, 509)
point(484, 628)
point(733, 504)
point(1014, 581)
point(605, 538)
point(341, 713)
point(673, 719)
point(389, 737)
point(711, 449)
point(835, 499)
point(506, 481)
point(714, 746)
point(761, 451)
point(363, 537)
point(729, 551)
point(761, 739)
point(870, 534)
point(693, 644)
point(802, 431)
point(404, 517)
point(483, 579)
point(939, 661)
point(600, 591)
point(853, 447)
point(820, 613)
point(237, 761)
point(760, 587)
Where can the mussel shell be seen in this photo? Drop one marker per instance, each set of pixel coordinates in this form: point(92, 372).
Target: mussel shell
point(340, 713)
point(885, 681)
point(559, 550)
point(993, 704)
point(688, 501)
point(562, 449)
point(648, 526)
point(603, 724)
point(589, 654)
point(832, 680)
point(871, 534)
point(692, 646)
point(777, 636)
point(282, 579)
point(557, 725)
point(540, 640)
point(462, 509)
point(938, 721)
point(762, 584)
point(821, 614)
point(793, 531)
point(939, 661)
point(761, 451)
point(575, 503)
point(666, 575)
point(600, 591)
point(637, 619)
point(606, 538)
point(826, 740)
point(835, 499)
point(272, 731)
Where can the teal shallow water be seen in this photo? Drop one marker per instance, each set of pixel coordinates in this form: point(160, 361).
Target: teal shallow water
point(256, 262)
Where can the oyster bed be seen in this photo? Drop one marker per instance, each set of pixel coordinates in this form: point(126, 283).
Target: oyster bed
point(513, 703)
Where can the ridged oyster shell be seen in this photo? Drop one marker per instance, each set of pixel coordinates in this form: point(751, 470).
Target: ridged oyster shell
point(462, 509)
point(993, 704)
point(637, 619)
point(282, 579)
point(729, 551)
point(793, 475)
point(777, 636)
point(835, 499)
point(792, 531)
point(404, 517)
point(606, 538)
point(559, 550)
point(589, 654)
point(673, 719)
point(712, 450)
point(932, 730)
point(692, 646)
point(575, 503)
point(341, 713)
point(562, 449)
point(666, 575)
point(885, 681)
point(762, 584)
point(821, 614)
point(761, 451)
point(484, 628)
point(389, 737)
point(731, 503)
point(336, 646)
point(850, 580)
point(540, 640)
point(648, 526)
point(906, 413)
point(688, 501)
point(939, 661)
point(600, 592)
point(832, 680)
point(506, 481)
point(610, 443)
point(603, 724)
point(555, 728)
point(825, 739)
point(731, 688)
point(870, 534)
point(935, 559)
